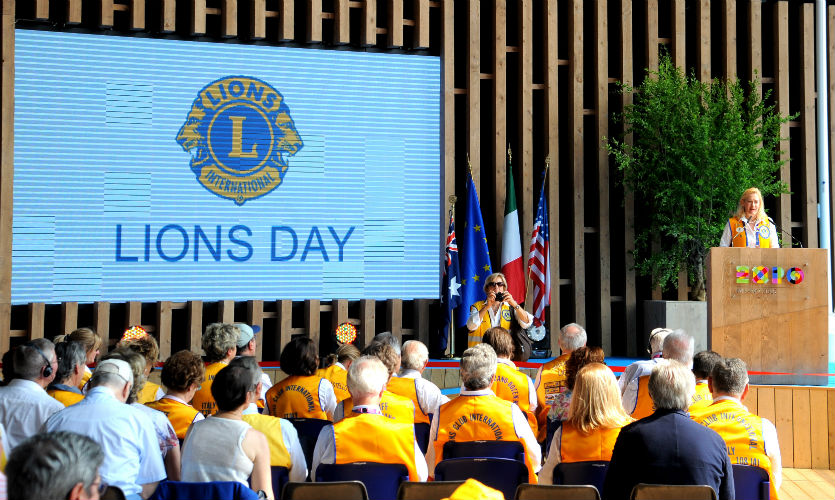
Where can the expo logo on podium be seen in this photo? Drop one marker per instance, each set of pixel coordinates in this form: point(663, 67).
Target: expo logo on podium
point(763, 275)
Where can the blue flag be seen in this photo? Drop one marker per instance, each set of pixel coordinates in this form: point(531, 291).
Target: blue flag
point(450, 298)
point(475, 257)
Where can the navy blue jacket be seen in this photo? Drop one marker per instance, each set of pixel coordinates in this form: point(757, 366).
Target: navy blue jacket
point(668, 447)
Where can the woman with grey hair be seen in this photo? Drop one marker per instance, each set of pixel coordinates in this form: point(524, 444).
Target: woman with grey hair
point(498, 309)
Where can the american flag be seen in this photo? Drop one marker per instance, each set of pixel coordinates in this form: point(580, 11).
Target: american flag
point(539, 262)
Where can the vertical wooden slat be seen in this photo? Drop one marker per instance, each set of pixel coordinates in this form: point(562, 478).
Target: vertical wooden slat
point(395, 23)
point(73, 11)
point(765, 404)
point(525, 157)
point(313, 319)
point(750, 400)
point(783, 422)
point(801, 434)
point(195, 325)
point(552, 150)
point(652, 34)
point(133, 314)
point(69, 317)
point(287, 20)
point(36, 320)
point(168, 12)
point(342, 22)
point(314, 21)
point(101, 319)
point(601, 55)
point(226, 311)
point(808, 128)
point(499, 141)
point(679, 29)
point(421, 39)
point(258, 19)
point(106, 13)
point(284, 323)
point(137, 14)
point(368, 30)
point(627, 77)
point(729, 38)
point(682, 282)
point(781, 94)
point(198, 17)
point(577, 154)
point(164, 317)
point(367, 321)
point(703, 52)
point(755, 49)
point(229, 18)
point(339, 314)
point(447, 107)
point(255, 317)
point(474, 89)
point(41, 9)
point(819, 427)
point(394, 317)
point(422, 307)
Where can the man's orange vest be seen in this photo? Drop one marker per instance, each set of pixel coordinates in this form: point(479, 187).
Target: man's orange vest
point(576, 446)
point(296, 397)
point(395, 407)
point(505, 320)
point(203, 399)
point(701, 398)
point(407, 387)
point(179, 414)
point(338, 377)
point(738, 228)
point(367, 437)
point(644, 406)
point(512, 385)
point(271, 428)
point(478, 418)
point(742, 432)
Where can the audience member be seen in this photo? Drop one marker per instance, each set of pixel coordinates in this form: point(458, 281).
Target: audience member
point(667, 447)
point(703, 363)
point(677, 346)
point(248, 346)
point(92, 346)
point(337, 372)
point(182, 375)
point(303, 394)
point(550, 382)
point(8, 366)
point(656, 344)
point(210, 442)
point(220, 344)
point(147, 346)
point(64, 387)
point(131, 450)
point(425, 395)
point(478, 414)
point(24, 404)
point(509, 383)
point(750, 440)
point(369, 436)
point(595, 418)
point(55, 465)
point(390, 339)
point(578, 359)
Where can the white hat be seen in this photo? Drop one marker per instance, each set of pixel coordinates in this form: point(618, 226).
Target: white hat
point(117, 366)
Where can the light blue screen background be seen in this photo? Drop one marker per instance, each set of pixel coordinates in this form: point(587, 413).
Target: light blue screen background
point(96, 121)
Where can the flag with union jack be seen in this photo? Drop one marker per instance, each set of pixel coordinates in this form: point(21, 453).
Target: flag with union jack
point(539, 262)
point(450, 298)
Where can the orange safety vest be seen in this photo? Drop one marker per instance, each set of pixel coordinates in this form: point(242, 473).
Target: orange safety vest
point(701, 398)
point(148, 393)
point(394, 407)
point(338, 377)
point(85, 378)
point(203, 399)
point(180, 415)
point(644, 406)
point(297, 396)
point(737, 228)
point(271, 428)
point(575, 446)
point(478, 418)
point(505, 319)
point(67, 398)
point(407, 387)
point(742, 432)
point(368, 437)
point(512, 385)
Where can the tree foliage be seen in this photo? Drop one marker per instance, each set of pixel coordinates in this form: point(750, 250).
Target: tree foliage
point(696, 147)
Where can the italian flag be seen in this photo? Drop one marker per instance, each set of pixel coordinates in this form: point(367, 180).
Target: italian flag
point(511, 244)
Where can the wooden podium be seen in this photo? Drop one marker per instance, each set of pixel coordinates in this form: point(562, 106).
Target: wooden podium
point(769, 308)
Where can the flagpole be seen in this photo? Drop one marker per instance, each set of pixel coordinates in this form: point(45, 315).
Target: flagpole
point(451, 342)
point(544, 178)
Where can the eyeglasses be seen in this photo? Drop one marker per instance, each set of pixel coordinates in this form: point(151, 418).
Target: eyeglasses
point(496, 284)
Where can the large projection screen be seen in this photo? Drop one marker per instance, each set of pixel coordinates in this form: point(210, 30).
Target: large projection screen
point(150, 169)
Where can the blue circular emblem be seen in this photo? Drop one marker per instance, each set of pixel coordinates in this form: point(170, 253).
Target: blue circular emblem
point(506, 314)
point(764, 231)
point(240, 136)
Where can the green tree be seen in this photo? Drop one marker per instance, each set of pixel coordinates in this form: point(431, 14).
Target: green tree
point(696, 147)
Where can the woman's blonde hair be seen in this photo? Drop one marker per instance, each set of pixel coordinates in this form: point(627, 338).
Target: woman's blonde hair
point(490, 279)
point(596, 401)
point(740, 209)
point(86, 337)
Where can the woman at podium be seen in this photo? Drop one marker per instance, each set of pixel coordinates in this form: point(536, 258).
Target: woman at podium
point(750, 227)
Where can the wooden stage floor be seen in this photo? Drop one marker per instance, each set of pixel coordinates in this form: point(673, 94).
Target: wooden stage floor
point(807, 484)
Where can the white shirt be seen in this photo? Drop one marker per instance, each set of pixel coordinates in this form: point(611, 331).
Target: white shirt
point(24, 408)
point(495, 317)
point(531, 388)
point(429, 396)
point(750, 234)
point(520, 424)
point(630, 391)
point(324, 452)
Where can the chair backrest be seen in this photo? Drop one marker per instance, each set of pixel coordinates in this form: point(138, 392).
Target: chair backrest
point(503, 474)
point(381, 480)
point(644, 491)
point(593, 473)
point(281, 476)
point(215, 490)
point(308, 430)
point(529, 491)
point(343, 490)
point(751, 483)
point(485, 449)
point(432, 490)
point(422, 436)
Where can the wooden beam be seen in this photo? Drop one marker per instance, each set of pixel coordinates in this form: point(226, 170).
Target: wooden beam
point(41, 11)
point(284, 323)
point(781, 95)
point(137, 14)
point(195, 325)
point(368, 28)
point(729, 38)
point(287, 21)
point(551, 42)
point(314, 21)
point(652, 34)
point(679, 27)
point(229, 19)
point(394, 317)
point(703, 69)
point(106, 13)
point(807, 117)
point(421, 33)
point(524, 157)
point(255, 317)
point(164, 317)
point(395, 20)
point(367, 320)
point(168, 16)
point(7, 43)
point(626, 75)
point(226, 311)
point(577, 154)
point(69, 317)
point(499, 141)
point(601, 55)
point(422, 315)
point(447, 109)
point(36, 320)
point(101, 320)
point(133, 314)
point(73, 11)
point(258, 19)
point(473, 124)
point(755, 48)
point(342, 22)
point(313, 319)
point(198, 17)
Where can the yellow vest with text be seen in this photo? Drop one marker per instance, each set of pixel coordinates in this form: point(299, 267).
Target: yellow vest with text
point(369, 437)
point(742, 239)
point(297, 396)
point(271, 428)
point(742, 432)
point(148, 393)
point(179, 414)
point(407, 387)
point(644, 406)
point(203, 399)
point(552, 380)
point(338, 377)
point(478, 418)
point(505, 320)
point(66, 398)
point(512, 385)
point(701, 399)
point(395, 407)
point(575, 446)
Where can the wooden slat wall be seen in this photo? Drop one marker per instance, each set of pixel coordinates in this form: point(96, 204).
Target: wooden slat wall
point(604, 294)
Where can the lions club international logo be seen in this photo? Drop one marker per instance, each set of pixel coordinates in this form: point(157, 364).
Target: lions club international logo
point(240, 135)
